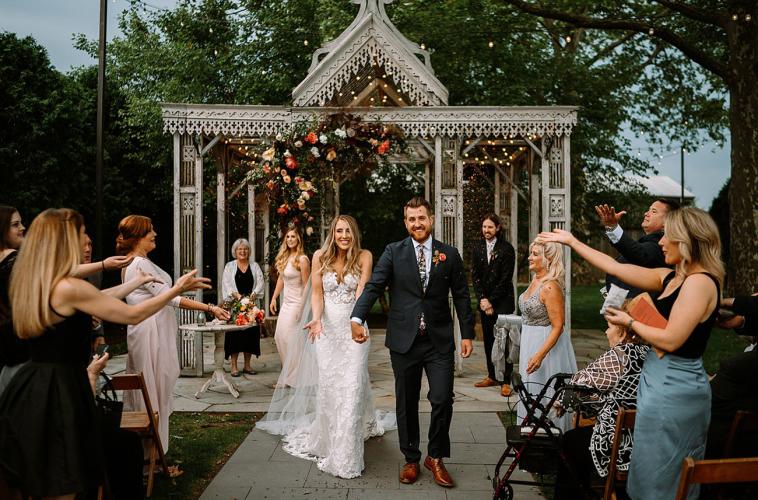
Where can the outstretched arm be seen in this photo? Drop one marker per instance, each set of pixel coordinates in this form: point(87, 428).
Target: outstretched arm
point(636, 276)
point(645, 254)
point(124, 289)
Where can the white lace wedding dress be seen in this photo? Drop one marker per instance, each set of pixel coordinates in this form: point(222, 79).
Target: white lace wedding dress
point(343, 416)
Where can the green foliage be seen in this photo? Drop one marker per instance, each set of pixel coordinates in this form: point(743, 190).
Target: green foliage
point(720, 212)
point(200, 444)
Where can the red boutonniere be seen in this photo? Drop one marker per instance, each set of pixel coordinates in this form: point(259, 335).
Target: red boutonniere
point(438, 257)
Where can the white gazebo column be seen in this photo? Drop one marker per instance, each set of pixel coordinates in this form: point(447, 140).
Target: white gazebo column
point(448, 208)
point(220, 227)
point(556, 199)
point(188, 208)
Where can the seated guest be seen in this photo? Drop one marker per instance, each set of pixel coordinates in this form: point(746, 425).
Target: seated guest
point(735, 385)
point(615, 374)
point(242, 277)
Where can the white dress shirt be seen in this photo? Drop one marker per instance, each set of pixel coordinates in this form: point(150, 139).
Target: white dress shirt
point(490, 247)
point(615, 234)
point(427, 246)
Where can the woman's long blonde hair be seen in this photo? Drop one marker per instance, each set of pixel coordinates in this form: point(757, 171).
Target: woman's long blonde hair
point(553, 255)
point(330, 252)
point(698, 239)
point(51, 251)
point(285, 253)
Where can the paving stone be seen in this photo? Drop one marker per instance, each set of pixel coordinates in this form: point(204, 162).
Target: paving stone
point(274, 493)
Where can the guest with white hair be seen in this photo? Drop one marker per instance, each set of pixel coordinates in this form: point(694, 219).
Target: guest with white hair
point(242, 277)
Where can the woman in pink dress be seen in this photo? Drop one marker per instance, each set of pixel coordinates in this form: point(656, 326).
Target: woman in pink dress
point(294, 269)
point(152, 342)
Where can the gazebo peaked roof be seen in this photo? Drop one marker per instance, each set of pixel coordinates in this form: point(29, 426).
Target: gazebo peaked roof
point(371, 39)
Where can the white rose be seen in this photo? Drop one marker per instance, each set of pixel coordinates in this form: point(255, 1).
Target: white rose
point(287, 154)
point(323, 139)
point(314, 152)
point(309, 230)
point(245, 301)
point(298, 144)
point(340, 133)
point(278, 137)
point(305, 196)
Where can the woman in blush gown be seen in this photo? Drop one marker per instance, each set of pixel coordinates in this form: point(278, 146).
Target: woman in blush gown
point(152, 342)
point(294, 269)
point(328, 419)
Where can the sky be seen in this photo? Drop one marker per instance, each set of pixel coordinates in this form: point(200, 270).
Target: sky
point(53, 23)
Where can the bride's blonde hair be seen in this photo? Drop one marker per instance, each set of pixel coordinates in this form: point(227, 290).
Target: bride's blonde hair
point(330, 252)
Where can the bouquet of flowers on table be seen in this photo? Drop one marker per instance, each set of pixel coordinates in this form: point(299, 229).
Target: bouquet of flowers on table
point(243, 310)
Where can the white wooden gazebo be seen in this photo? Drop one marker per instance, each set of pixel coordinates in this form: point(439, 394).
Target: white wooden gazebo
point(380, 75)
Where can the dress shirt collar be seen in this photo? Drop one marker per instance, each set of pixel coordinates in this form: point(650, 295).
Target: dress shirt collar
point(427, 244)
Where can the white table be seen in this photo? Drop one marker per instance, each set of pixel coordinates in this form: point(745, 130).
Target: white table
point(219, 332)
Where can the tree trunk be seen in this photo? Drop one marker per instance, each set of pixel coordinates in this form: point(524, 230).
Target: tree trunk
point(743, 192)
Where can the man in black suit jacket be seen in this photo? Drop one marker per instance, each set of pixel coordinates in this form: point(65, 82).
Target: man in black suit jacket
point(646, 251)
point(420, 272)
point(493, 261)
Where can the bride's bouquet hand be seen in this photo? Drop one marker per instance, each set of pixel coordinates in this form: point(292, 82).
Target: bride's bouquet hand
point(314, 329)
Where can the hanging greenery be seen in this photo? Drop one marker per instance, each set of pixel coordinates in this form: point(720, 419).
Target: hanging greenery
point(312, 153)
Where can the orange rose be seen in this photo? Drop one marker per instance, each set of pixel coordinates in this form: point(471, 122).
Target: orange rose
point(384, 147)
point(311, 138)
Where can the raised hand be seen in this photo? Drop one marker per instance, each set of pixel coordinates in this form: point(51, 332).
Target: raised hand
point(608, 215)
point(117, 262)
point(189, 282)
point(556, 236)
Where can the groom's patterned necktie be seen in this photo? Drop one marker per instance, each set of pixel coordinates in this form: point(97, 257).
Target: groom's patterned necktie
point(422, 275)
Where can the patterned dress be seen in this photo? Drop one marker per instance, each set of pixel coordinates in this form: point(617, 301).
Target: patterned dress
point(616, 374)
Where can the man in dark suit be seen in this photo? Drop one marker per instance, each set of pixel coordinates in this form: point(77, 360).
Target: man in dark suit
point(420, 272)
point(644, 252)
point(493, 260)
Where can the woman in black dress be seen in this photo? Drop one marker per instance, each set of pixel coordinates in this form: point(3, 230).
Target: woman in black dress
point(242, 277)
point(50, 444)
point(13, 351)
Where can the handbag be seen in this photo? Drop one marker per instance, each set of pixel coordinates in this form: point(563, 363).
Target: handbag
point(109, 408)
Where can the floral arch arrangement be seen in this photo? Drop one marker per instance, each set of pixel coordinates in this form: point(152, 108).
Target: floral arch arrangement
point(300, 163)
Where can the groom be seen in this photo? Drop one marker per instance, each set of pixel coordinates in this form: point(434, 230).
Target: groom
point(420, 272)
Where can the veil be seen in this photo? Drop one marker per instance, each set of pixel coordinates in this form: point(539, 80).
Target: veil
point(295, 407)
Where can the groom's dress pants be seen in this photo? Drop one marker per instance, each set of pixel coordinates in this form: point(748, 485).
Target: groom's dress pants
point(439, 368)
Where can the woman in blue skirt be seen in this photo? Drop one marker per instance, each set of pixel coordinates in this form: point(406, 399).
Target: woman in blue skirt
point(674, 398)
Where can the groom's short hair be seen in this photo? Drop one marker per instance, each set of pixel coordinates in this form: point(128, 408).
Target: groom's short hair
point(416, 202)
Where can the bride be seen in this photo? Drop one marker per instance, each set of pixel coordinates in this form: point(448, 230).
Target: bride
point(329, 412)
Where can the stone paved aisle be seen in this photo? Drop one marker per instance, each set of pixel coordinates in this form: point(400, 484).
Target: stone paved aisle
point(259, 469)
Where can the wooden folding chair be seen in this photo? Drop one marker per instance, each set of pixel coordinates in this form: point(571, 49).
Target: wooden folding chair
point(728, 470)
point(624, 420)
point(142, 423)
point(745, 423)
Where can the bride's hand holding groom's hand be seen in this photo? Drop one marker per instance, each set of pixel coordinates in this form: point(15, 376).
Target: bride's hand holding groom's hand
point(359, 332)
point(314, 329)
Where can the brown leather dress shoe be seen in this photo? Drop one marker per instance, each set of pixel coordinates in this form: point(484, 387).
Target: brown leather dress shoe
point(505, 390)
point(439, 472)
point(486, 382)
point(409, 474)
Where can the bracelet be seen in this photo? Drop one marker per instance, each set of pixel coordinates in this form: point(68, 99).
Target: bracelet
point(102, 263)
point(210, 308)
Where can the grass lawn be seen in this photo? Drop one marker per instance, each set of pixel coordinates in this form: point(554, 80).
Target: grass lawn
point(200, 444)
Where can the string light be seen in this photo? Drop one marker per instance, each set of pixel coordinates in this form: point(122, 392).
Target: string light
point(735, 17)
point(305, 42)
point(491, 44)
point(423, 46)
point(568, 38)
point(210, 30)
point(748, 17)
point(651, 32)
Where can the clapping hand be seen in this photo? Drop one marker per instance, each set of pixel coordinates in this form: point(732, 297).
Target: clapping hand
point(314, 329)
point(117, 262)
point(189, 282)
point(608, 215)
